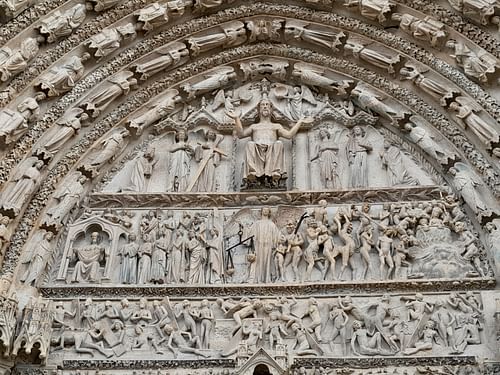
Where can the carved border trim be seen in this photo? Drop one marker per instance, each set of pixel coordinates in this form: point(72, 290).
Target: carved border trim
point(318, 288)
point(231, 199)
point(146, 364)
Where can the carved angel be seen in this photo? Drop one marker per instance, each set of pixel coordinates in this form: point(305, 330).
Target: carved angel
point(482, 11)
point(474, 65)
point(157, 109)
point(152, 16)
point(117, 85)
point(465, 110)
point(372, 103)
point(60, 25)
point(427, 29)
point(298, 100)
point(13, 62)
point(316, 76)
point(326, 154)
point(36, 257)
point(264, 29)
point(357, 150)
point(169, 56)
point(215, 79)
point(377, 10)
point(100, 5)
point(425, 141)
point(467, 184)
point(21, 185)
point(268, 67)
point(358, 49)
point(179, 164)
point(109, 148)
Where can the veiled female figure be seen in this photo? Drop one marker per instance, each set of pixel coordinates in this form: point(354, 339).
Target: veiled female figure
point(159, 259)
point(144, 267)
point(176, 264)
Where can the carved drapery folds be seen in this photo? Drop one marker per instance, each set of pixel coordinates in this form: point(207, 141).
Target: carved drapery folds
point(315, 155)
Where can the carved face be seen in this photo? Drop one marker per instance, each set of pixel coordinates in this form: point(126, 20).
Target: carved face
point(265, 108)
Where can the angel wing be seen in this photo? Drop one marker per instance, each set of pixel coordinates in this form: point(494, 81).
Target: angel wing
point(307, 94)
point(219, 100)
point(467, 102)
point(25, 164)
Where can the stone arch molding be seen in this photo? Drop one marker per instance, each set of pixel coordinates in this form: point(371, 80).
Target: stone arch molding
point(96, 101)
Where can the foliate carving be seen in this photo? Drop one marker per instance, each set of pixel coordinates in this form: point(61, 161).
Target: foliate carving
point(427, 29)
point(109, 40)
point(33, 338)
point(62, 78)
point(61, 24)
point(13, 62)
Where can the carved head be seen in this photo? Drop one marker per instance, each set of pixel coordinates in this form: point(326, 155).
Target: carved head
point(324, 134)
point(358, 131)
point(94, 237)
point(181, 135)
point(266, 212)
point(323, 203)
point(124, 302)
point(265, 107)
point(357, 325)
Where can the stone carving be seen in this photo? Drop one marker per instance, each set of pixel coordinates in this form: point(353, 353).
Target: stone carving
point(466, 110)
point(179, 169)
point(88, 260)
point(12, 8)
point(312, 75)
point(36, 329)
point(376, 10)
point(264, 29)
point(101, 5)
point(427, 29)
point(421, 137)
point(467, 184)
point(392, 161)
point(372, 103)
point(231, 34)
point(264, 155)
point(61, 132)
point(475, 66)
point(128, 254)
point(109, 149)
point(158, 108)
point(22, 184)
point(171, 55)
point(358, 49)
point(36, 258)
point(439, 91)
point(480, 11)
point(257, 68)
point(67, 197)
point(109, 40)
point(326, 154)
point(208, 155)
point(152, 16)
point(62, 78)
point(309, 33)
point(15, 123)
point(117, 85)
point(142, 171)
point(61, 24)
point(357, 149)
point(216, 79)
point(13, 62)
point(8, 320)
point(202, 5)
